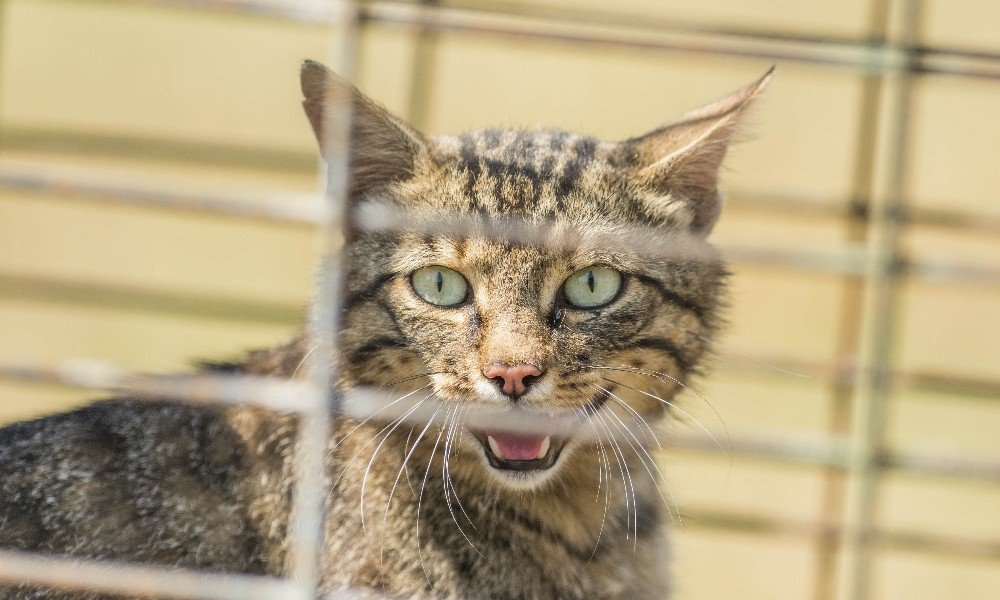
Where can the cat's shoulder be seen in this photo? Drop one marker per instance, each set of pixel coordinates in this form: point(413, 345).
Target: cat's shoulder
point(108, 427)
point(140, 480)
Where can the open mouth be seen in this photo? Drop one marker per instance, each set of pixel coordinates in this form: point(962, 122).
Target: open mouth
point(508, 451)
point(512, 452)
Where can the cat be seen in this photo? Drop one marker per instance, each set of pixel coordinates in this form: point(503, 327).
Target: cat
point(605, 326)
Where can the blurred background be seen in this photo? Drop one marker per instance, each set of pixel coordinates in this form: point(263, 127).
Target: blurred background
point(157, 177)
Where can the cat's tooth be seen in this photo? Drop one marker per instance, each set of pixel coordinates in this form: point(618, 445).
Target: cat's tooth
point(493, 445)
point(544, 449)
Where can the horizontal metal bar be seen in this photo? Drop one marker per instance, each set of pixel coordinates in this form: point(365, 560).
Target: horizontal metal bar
point(46, 138)
point(938, 464)
point(128, 298)
point(866, 58)
point(294, 207)
point(950, 271)
point(66, 182)
point(305, 11)
point(910, 541)
point(834, 452)
point(972, 387)
point(310, 209)
point(301, 396)
point(848, 208)
point(163, 582)
point(822, 451)
point(843, 259)
point(140, 580)
point(272, 393)
point(637, 32)
point(846, 375)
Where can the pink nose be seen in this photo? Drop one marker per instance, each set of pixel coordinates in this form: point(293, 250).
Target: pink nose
point(516, 378)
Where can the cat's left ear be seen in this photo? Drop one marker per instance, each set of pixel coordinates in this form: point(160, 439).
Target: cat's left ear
point(679, 163)
point(383, 147)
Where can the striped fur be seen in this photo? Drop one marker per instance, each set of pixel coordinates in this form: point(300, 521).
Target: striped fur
point(414, 509)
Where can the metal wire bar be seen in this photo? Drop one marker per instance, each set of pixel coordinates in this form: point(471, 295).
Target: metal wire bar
point(852, 302)
point(855, 208)
point(885, 59)
point(49, 139)
point(422, 73)
point(897, 540)
point(845, 259)
point(307, 209)
point(281, 206)
point(600, 28)
point(846, 375)
point(139, 580)
point(882, 312)
point(321, 12)
point(944, 271)
point(144, 580)
point(876, 376)
point(67, 373)
point(129, 298)
point(314, 430)
point(272, 393)
point(835, 452)
point(296, 207)
point(303, 396)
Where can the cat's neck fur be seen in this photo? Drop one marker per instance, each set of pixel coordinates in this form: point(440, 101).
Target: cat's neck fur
point(580, 536)
point(465, 537)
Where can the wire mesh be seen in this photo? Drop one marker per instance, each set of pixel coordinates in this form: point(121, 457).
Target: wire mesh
point(854, 453)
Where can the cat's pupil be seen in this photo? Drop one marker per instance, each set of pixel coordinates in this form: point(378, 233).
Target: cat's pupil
point(440, 280)
point(590, 280)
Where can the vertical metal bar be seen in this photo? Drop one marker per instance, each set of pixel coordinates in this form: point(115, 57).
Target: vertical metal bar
point(852, 302)
point(881, 311)
point(3, 14)
point(315, 428)
point(422, 71)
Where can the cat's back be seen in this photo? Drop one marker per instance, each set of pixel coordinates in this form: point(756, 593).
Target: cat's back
point(141, 481)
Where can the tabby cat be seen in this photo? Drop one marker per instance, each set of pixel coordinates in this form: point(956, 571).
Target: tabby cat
point(604, 325)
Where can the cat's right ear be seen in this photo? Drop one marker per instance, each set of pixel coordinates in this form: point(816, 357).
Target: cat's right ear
point(383, 147)
point(679, 163)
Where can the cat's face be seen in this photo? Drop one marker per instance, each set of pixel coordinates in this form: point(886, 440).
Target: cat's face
point(527, 353)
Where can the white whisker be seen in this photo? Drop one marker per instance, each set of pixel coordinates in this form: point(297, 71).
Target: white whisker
point(364, 478)
point(674, 406)
point(601, 465)
point(661, 377)
point(671, 506)
point(446, 479)
point(420, 501)
point(388, 503)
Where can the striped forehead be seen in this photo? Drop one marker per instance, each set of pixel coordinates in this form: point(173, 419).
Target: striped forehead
point(524, 171)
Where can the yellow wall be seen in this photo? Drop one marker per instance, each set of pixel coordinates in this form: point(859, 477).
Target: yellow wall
point(76, 75)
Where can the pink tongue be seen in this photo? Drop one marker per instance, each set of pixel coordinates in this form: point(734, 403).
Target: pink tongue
point(518, 448)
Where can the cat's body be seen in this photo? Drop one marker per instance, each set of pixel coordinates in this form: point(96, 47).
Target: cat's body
point(210, 489)
point(448, 508)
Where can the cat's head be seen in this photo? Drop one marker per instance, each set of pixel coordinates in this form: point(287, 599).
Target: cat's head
point(528, 273)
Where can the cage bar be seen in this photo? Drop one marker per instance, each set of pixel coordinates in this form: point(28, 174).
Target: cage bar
point(888, 66)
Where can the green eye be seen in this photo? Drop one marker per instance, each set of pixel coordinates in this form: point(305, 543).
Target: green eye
point(440, 285)
point(592, 287)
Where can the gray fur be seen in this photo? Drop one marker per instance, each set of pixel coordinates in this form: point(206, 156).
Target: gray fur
point(415, 511)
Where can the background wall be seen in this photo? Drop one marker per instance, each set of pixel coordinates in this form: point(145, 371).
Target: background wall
point(105, 95)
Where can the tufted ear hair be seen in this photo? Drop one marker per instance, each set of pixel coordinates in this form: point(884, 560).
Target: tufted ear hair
point(679, 163)
point(383, 147)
